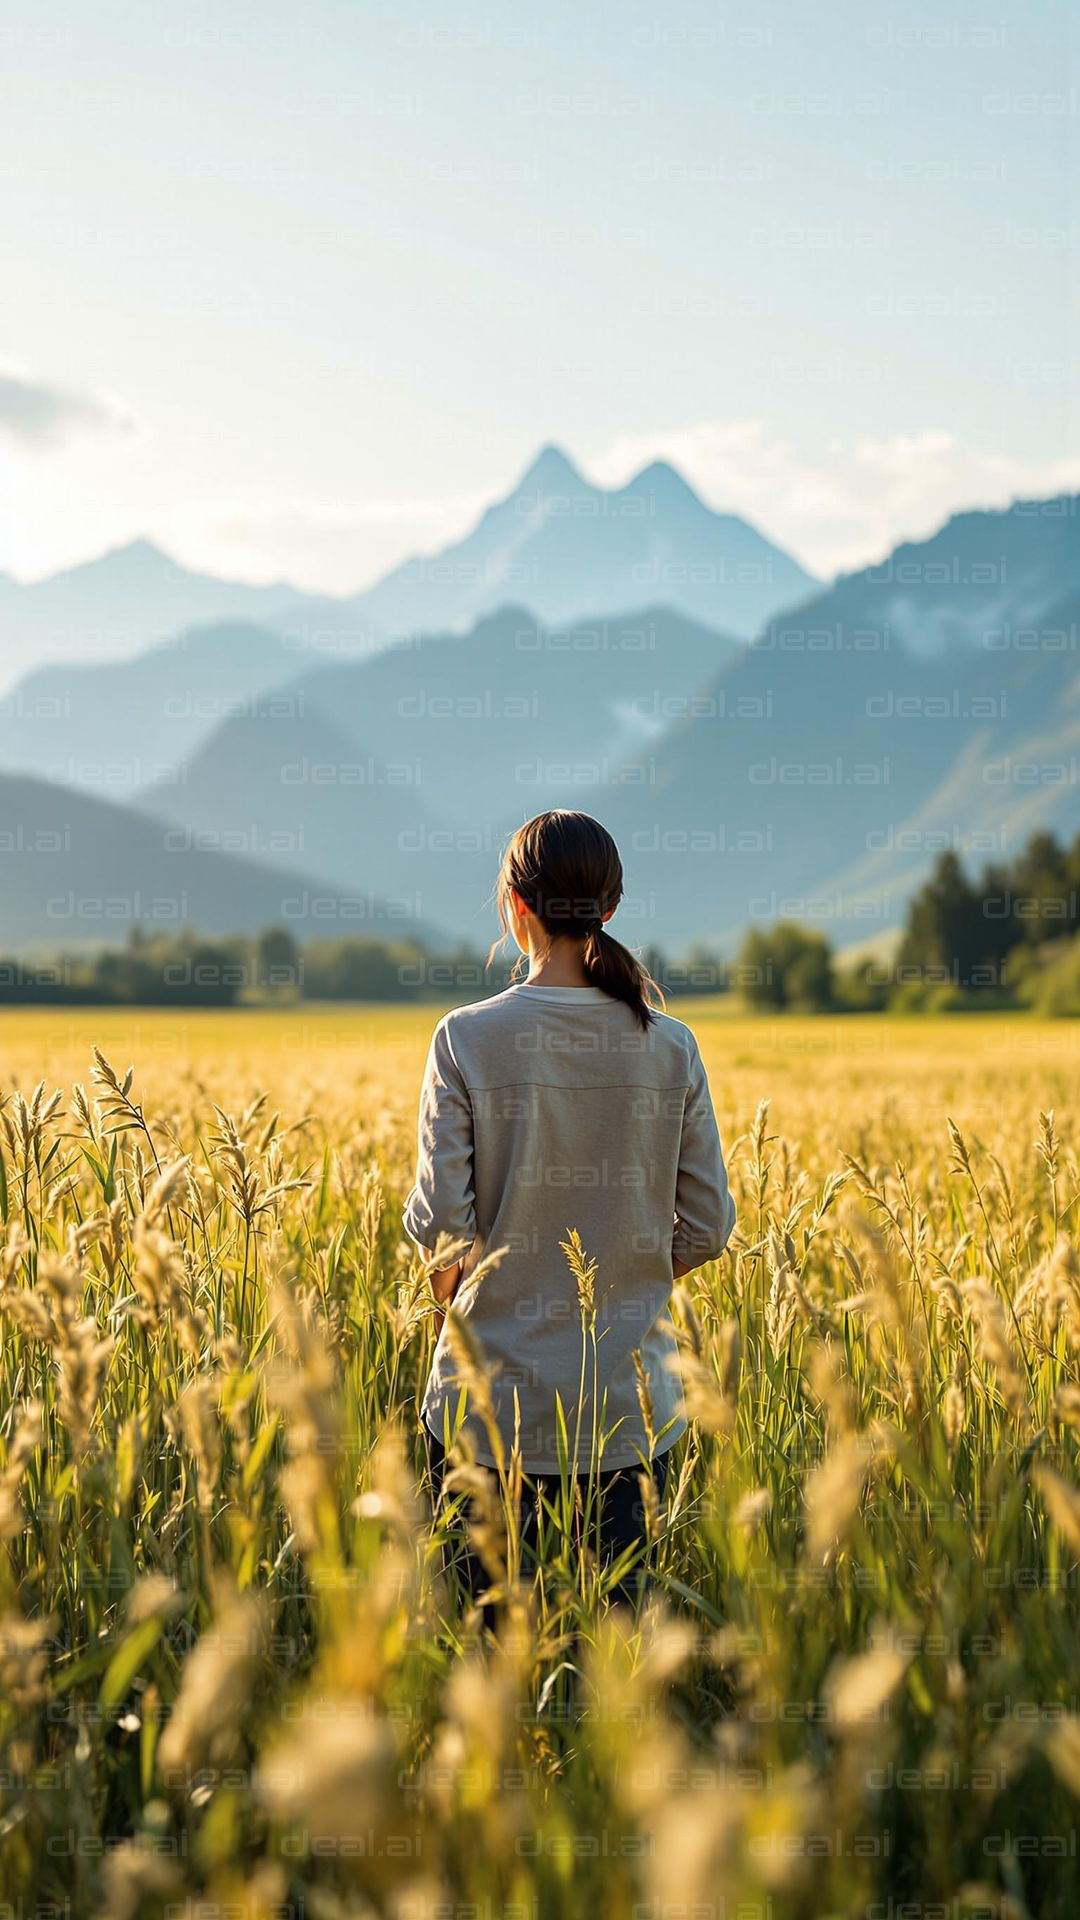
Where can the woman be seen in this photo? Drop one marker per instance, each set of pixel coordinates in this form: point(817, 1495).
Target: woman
point(567, 1103)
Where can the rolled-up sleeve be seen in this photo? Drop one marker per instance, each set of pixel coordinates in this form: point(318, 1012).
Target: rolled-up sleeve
point(442, 1198)
point(704, 1208)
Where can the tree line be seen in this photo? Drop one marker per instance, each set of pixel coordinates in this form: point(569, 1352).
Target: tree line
point(1008, 937)
point(186, 969)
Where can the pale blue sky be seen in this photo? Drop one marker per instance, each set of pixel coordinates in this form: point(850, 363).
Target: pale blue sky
point(296, 288)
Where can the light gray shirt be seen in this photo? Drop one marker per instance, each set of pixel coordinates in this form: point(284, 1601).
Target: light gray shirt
point(545, 1109)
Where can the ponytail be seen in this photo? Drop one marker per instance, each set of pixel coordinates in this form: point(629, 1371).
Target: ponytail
point(613, 968)
point(566, 868)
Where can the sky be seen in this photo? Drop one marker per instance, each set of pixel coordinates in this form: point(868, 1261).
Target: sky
point(296, 289)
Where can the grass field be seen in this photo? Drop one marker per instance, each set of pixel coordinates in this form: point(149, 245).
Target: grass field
point(233, 1679)
point(931, 1068)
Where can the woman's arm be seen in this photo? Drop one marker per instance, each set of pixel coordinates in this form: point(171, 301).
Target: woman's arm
point(444, 1283)
point(444, 1280)
point(704, 1208)
point(440, 1210)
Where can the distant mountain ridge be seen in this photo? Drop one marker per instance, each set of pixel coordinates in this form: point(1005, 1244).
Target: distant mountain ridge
point(468, 729)
point(118, 725)
point(825, 767)
point(932, 699)
point(555, 544)
point(118, 604)
point(976, 579)
point(77, 871)
point(569, 550)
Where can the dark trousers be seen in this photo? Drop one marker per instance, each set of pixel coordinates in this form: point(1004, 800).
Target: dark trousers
point(622, 1518)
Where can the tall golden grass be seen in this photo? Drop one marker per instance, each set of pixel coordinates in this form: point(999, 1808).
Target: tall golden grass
point(235, 1678)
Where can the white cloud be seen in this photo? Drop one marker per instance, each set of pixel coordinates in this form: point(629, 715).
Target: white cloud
point(326, 546)
point(35, 414)
point(848, 505)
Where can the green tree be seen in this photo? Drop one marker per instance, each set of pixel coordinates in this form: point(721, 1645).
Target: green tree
point(277, 959)
point(361, 970)
point(946, 936)
point(1041, 892)
point(785, 966)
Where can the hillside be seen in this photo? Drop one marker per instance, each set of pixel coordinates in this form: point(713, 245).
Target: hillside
point(474, 733)
point(977, 581)
point(75, 870)
point(116, 725)
point(297, 789)
point(827, 765)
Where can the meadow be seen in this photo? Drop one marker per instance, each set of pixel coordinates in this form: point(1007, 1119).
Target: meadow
point(235, 1678)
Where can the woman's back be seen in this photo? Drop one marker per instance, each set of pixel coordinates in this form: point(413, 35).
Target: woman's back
point(548, 1109)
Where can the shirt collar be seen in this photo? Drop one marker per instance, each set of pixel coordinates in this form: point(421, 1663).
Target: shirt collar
point(591, 996)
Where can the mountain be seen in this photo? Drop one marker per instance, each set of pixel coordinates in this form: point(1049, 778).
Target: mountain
point(826, 765)
point(474, 733)
point(932, 700)
point(568, 550)
point(111, 607)
point(295, 789)
point(491, 716)
point(118, 725)
point(78, 871)
point(924, 702)
point(556, 544)
point(977, 580)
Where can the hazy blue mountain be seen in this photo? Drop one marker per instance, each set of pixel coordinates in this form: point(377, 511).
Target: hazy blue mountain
point(76, 870)
point(118, 725)
point(290, 786)
point(469, 728)
point(933, 700)
point(814, 774)
point(556, 545)
point(1018, 769)
point(927, 702)
point(827, 765)
point(568, 550)
point(490, 717)
point(114, 606)
point(976, 581)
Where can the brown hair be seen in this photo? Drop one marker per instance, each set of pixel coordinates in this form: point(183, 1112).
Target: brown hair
point(566, 868)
